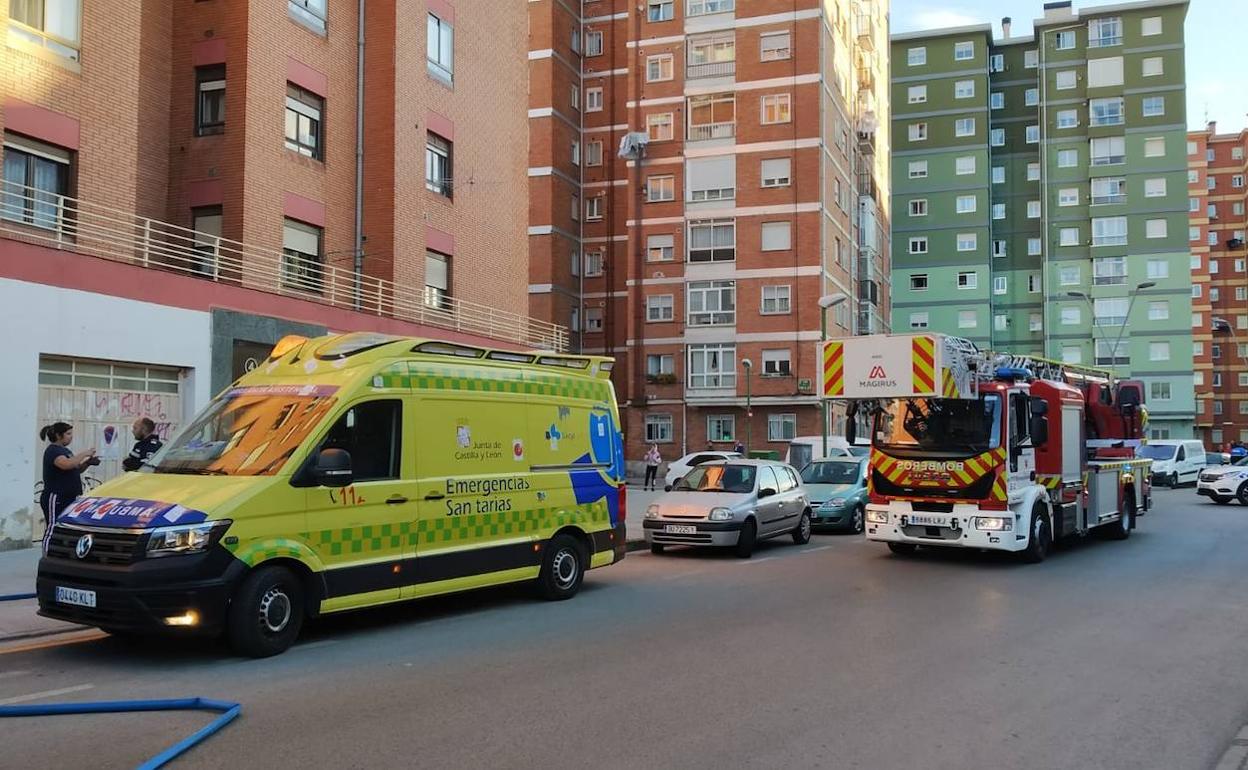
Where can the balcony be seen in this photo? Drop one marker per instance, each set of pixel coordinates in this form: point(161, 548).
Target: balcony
point(705, 131)
point(90, 229)
point(714, 69)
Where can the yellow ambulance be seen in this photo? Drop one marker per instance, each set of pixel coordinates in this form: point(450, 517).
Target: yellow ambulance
point(346, 472)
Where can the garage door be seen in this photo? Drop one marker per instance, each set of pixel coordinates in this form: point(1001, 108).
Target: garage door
point(101, 399)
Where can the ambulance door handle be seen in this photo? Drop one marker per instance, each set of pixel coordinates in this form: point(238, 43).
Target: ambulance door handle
point(434, 496)
point(396, 500)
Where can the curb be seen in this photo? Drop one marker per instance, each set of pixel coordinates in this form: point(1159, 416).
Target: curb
point(1236, 756)
point(26, 636)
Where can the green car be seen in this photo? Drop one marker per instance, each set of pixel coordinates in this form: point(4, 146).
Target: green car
point(837, 490)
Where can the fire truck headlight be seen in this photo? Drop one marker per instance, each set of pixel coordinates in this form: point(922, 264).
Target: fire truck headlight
point(877, 517)
point(993, 524)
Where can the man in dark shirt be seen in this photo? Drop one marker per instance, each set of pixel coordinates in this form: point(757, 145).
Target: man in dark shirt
point(146, 444)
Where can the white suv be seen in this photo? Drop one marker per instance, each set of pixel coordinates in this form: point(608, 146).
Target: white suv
point(1224, 483)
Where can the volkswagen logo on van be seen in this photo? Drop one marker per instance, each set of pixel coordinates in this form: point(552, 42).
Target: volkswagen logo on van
point(84, 547)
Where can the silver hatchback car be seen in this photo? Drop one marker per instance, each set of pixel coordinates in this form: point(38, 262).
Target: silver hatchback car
point(733, 503)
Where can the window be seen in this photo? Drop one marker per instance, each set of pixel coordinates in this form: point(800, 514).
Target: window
point(1033, 209)
point(574, 97)
point(301, 257)
point(1197, 320)
point(576, 152)
point(1193, 234)
point(918, 169)
point(372, 433)
point(1033, 134)
point(1154, 106)
point(1158, 268)
point(1031, 97)
point(1068, 275)
point(593, 264)
point(712, 240)
point(917, 132)
point(1159, 351)
point(964, 165)
point(440, 48)
point(968, 280)
point(965, 204)
point(776, 363)
point(660, 307)
point(1155, 188)
point(919, 320)
point(659, 364)
point(1067, 158)
point(776, 300)
point(967, 319)
point(996, 63)
point(998, 174)
point(593, 207)
point(1034, 322)
point(918, 282)
point(918, 245)
point(1065, 80)
point(713, 366)
point(1150, 25)
point(1068, 236)
point(593, 153)
point(1108, 150)
point(206, 222)
point(1103, 73)
point(964, 127)
point(1193, 205)
point(660, 248)
point(593, 43)
point(659, 427)
point(593, 319)
point(1213, 267)
point(1237, 180)
point(703, 7)
point(781, 427)
point(1152, 66)
point(303, 122)
point(576, 40)
point(997, 100)
point(1072, 354)
point(1212, 181)
point(999, 284)
point(776, 236)
point(50, 24)
point(439, 177)
point(964, 89)
point(1193, 176)
point(1237, 153)
point(576, 208)
point(998, 211)
point(593, 99)
point(774, 46)
point(1214, 294)
point(1106, 111)
point(1191, 148)
point(1110, 231)
point(210, 100)
point(1159, 391)
point(721, 427)
point(1237, 208)
point(1105, 32)
point(775, 172)
point(1109, 190)
point(660, 188)
point(1111, 352)
point(1213, 241)
point(916, 94)
point(712, 116)
point(1033, 172)
point(916, 57)
point(775, 108)
point(659, 10)
point(659, 126)
point(1033, 247)
point(1209, 154)
point(1155, 228)
point(1072, 315)
point(35, 175)
point(966, 241)
point(1159, 310)
point(964, 51)
point(1068, 196)
point(1109, 271)
point(437, 280)
point(310, 13)
point(1110, 310)
point(659, 68)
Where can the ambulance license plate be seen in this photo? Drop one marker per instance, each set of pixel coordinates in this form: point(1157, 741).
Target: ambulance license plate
point(680, 529)
point(929, 521)
point(75, 596)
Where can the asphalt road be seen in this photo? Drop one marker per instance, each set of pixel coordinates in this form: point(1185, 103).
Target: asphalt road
point(836, 654)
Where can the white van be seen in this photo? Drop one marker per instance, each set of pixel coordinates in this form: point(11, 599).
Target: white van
point(1175, 462)
point(805, 449)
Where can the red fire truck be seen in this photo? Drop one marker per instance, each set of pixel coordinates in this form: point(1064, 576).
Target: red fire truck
point(975, 450)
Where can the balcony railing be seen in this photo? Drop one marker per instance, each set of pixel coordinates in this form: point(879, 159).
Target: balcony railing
point(79, 226)
point(712, 131)
point(713, 69)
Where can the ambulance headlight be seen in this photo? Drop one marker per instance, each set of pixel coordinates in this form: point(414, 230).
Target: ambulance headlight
point(877, 517)
point(652, 512)
point(721, 514)
point(188, 538)
point(993, 524)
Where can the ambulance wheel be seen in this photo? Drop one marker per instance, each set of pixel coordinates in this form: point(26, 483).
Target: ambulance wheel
point(746, 539)
point(1041, 536)
point(266, 614)
point(563, 568)
point(801, 533)
point(656, 548)
point(903, 549)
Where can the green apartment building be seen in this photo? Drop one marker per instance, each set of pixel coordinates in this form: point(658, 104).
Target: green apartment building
point(1040, 193)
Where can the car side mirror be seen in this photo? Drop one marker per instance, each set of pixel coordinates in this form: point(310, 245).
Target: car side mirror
point(1039, 430)
point(765, 493)
point(333, 468)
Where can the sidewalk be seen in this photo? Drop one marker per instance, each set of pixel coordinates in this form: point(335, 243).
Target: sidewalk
point(17, 618)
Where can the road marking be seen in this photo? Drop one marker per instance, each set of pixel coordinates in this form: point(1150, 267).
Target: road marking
point(313, 645)
point(1236, 756)
point(745, 562)
point(59, 641)
point(11, 674)
point(45, 694)
point(820, 548)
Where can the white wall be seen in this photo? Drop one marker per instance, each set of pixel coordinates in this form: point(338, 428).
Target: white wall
point(46, 320)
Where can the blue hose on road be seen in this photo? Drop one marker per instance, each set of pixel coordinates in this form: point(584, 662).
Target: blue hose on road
point(16, 597)
point(228, 711)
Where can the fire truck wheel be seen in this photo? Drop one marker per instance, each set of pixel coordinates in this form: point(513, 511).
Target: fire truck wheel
point(1041, 536)
point(1121, 529)
point(902, 549)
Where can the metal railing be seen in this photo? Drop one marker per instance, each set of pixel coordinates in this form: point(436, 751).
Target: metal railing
point(710, 69)
point(80, 226)
point(711, 131)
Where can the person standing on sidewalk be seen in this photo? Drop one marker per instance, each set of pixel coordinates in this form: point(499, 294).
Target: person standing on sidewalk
point(146, 444)
point(62, 474)
point(653, 458)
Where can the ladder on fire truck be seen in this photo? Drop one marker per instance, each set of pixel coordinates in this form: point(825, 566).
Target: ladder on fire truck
point(1047, 369)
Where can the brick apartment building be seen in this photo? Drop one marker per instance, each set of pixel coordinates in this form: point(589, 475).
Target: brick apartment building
point(762, 186)
point(1218, 197)
point(183, 185)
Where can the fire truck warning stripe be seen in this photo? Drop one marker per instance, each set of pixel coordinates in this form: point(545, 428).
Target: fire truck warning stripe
point(834, 369)
point(924, 356)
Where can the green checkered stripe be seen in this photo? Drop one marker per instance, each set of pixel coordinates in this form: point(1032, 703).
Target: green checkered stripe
point(376, 540)
point(429, 376)
point(273, 549)
point(393, 376)
point(448, 529)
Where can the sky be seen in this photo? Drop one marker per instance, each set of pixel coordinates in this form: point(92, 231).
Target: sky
point(1217, 55)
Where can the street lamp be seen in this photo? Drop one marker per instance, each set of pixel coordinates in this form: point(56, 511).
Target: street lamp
point(749, 413)
point(825, 302)
point(1113, 355)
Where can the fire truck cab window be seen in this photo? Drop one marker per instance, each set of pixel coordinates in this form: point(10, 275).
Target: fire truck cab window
point(957, 426)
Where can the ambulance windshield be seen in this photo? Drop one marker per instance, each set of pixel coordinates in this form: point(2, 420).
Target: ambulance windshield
point(956, 426)
point(248, 431)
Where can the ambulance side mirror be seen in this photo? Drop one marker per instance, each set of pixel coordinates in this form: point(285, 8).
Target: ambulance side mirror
point(333, 468)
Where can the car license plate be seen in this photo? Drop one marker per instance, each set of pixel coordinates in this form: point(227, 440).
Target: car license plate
point(930, 521)
point(681, 529)
point(75, 596)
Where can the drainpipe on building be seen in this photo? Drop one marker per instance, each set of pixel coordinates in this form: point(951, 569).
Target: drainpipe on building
point(359, 159)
